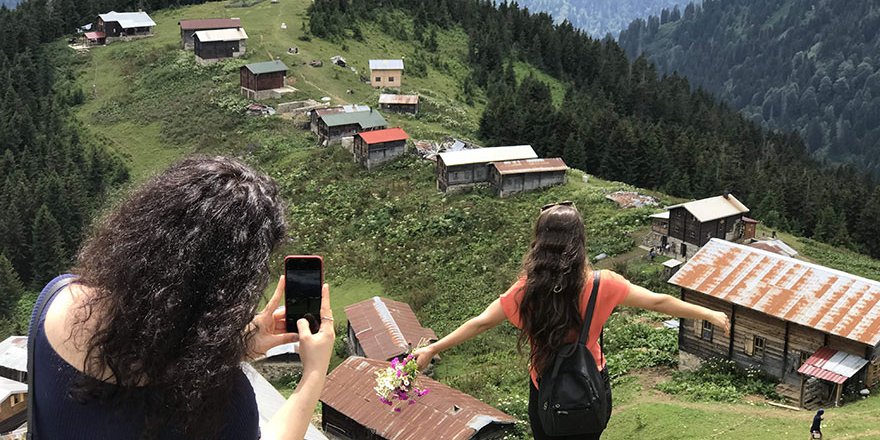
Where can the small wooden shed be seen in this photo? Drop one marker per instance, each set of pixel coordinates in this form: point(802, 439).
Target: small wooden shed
point(115, 25)
point(383, 329)
point(465, 168)
point(373, 148)
point(815, 329)
point(212, 46)
point(386, 73)
point(334, 128)
point(13, 404)
point(399, 103)
point(95, 38)
point(257, 80)
point(350, 409)
point(515, 176)
point(188, 28)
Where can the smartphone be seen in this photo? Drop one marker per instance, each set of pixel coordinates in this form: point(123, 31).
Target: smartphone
point(303, 279)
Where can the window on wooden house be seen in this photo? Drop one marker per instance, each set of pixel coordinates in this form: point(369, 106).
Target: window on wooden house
point(378, 79)
point(391, 79)
point(759, 343)
point(16, 399)
point(707, 331)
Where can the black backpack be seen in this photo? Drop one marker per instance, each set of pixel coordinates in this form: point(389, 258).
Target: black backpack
point(571, 396)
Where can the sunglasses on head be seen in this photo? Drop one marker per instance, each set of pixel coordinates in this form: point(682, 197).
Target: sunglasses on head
point(550, 205)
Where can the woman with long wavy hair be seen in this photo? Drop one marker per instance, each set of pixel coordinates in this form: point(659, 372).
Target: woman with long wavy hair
point(146, 338)
point(548, 302)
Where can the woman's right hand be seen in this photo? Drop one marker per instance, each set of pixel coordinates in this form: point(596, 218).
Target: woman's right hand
point(423, 357)
point(315, 349)
point(720, 320)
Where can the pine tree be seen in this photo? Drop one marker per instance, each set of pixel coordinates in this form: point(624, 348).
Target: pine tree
point(11, 287)
point(826, 225)
point(47, 248)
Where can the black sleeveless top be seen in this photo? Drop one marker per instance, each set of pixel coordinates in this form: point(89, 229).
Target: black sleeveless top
point(58, 416)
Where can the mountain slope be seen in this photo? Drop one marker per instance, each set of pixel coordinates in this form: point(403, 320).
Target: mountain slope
point(602, 17)
point(448, 256)
point(801, 65)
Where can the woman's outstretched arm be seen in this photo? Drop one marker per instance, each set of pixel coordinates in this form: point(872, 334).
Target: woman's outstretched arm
point(645, 299)
point(492, 316)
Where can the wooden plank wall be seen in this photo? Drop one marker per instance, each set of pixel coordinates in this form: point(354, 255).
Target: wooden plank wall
point(750, 323)
point(690, 340)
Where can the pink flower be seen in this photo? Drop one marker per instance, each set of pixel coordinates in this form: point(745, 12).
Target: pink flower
point(397, 410)
point(422, 392)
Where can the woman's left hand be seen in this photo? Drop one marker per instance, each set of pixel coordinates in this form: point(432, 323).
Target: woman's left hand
point(270, 326)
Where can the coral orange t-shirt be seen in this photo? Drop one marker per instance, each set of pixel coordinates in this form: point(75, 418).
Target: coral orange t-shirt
point(613, 289)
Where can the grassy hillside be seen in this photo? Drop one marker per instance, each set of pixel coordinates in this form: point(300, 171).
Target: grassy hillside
point(390, 232)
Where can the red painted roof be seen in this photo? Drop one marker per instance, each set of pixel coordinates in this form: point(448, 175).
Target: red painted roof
point(832, 365)
point(209, 23)
point(95, 35)
point(386, 135)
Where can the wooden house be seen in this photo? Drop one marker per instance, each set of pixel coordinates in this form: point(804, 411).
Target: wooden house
point(13, 404)
point(215, 45)
point(386, 73)
point(466, 168)
point(13, 358)
point(258, 80)
point(383, 329)
point(351, 410)
point(750, 228)
point(691, 225)
point(315, 114)
point(188, 28)
point(815, 329)
point(399, 103)
point(115, 25)
point(337, 128)
point(373, 148)
point(514, 176)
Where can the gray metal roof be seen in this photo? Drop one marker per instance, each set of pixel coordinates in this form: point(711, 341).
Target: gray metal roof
point(129, 20)
point(9, 387)
point(267, 67)
point(366, 119)
point(486, 155)
point(386, 64)
point(230, 34)
point(13, 353)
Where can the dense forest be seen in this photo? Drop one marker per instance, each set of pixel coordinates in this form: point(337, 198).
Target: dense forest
point(601, 17)
point(53, 180)
point(621, 120)
point(802, 65)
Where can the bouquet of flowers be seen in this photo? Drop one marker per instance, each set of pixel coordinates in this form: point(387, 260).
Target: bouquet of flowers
point(399, 384)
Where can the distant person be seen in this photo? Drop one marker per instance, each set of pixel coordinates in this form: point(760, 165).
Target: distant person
point(146, 341)
point(549, 300)
point(816, 427)
point(651, 254)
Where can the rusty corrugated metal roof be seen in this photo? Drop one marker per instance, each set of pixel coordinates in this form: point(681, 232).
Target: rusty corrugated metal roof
point(386, 328)
point(209, 23)
point(388, 98)
point(814, 296)
point(443, 414)
point(832, 365)
point(530, 166)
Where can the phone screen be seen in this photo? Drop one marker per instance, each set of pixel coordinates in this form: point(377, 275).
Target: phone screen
point(302, 291)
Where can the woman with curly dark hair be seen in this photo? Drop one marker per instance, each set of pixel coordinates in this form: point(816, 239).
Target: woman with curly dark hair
point(549, 301)
point(146, 338)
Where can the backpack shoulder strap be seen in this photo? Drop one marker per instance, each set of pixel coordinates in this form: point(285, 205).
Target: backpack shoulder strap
point(591, 307)
point(39, 310)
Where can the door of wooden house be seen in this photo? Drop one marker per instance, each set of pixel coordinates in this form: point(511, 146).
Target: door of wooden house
point(684, 250)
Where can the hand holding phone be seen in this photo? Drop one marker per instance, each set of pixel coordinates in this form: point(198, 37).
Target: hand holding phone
point(304, 278)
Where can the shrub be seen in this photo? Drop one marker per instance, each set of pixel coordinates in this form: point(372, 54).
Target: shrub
point(720, 380)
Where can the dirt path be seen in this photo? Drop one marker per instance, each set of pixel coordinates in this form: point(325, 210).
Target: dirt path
point(326, 93)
